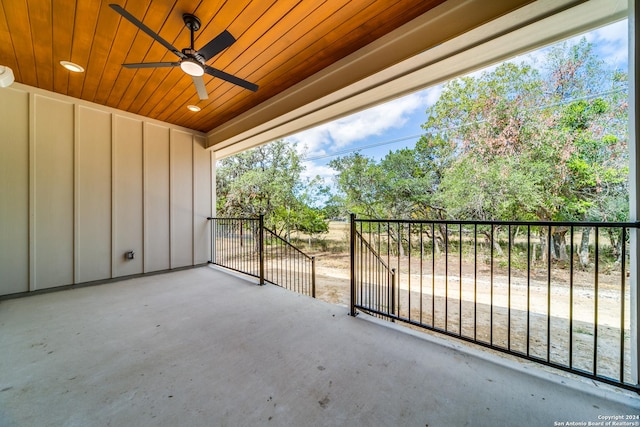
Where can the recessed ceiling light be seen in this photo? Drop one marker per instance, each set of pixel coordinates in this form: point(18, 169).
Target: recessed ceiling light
point(72, 67)
point(193, 108)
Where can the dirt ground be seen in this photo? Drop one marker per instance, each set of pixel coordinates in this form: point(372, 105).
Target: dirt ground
point(450, 302)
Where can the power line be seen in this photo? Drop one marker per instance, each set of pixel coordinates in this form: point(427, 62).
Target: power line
point(364, 147)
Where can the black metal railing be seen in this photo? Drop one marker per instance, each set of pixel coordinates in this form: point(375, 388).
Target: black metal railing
point(287, 266)
point(245, 245)
point(377, 283)
point(557, 293)
point(236, 244)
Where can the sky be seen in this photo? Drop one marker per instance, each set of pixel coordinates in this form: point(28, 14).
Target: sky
point(396, 124)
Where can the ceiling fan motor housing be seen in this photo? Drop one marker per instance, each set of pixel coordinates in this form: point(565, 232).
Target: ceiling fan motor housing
point(191, 53)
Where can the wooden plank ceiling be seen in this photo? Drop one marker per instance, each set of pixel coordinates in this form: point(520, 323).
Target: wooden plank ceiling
point(279, 43)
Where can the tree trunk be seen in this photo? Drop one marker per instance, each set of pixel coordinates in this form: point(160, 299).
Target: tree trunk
point(443, 236)
point(615, 237)
point(396, 237)
point(514, 233)
point(399, 241)
point(559, 248)
point(433, 237)
point(583, 253)
point(436, 245)
point(496, 246)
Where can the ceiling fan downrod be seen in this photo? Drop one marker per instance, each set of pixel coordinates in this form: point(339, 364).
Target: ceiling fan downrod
point(192, 23)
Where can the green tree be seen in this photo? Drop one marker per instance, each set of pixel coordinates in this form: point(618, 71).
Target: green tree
point(559, 134)
point(501, 189)
point(359, 179)
point(310, 221)
point(487, 115)
point(268, 180)
point(592, 117)
point(480, 142)
point(398, 186)
point(405, 187)
point(334, 207)
point(589, 112)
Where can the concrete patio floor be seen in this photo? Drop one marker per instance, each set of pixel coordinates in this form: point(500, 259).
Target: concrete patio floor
point(201, 347)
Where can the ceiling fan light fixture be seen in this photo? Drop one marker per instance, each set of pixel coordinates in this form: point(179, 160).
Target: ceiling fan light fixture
point(71, 66)
point(193, 108)
point(192, 67)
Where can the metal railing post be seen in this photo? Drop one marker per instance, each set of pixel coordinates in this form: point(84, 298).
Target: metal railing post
point(634, 192)
point(261, 248)
point(393, 291)
point(352, 257)
point(313, 276)
point(212, 246)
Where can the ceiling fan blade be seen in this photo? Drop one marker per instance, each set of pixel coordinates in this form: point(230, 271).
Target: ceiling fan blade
point(199, 84)
point(151, 64)
point(146, 29)
point(217, 45)
point(231, 79)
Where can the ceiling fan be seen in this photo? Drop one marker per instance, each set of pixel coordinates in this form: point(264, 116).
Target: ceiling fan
point(191, 61)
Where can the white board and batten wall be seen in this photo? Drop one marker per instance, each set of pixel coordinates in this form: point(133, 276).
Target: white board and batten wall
point(81, 184)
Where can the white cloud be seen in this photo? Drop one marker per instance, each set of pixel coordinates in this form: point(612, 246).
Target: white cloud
point(374, 121)
point(432, 94)
point(613, 33)
point(312, 141)
point(612, 42)
point(323, 171)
